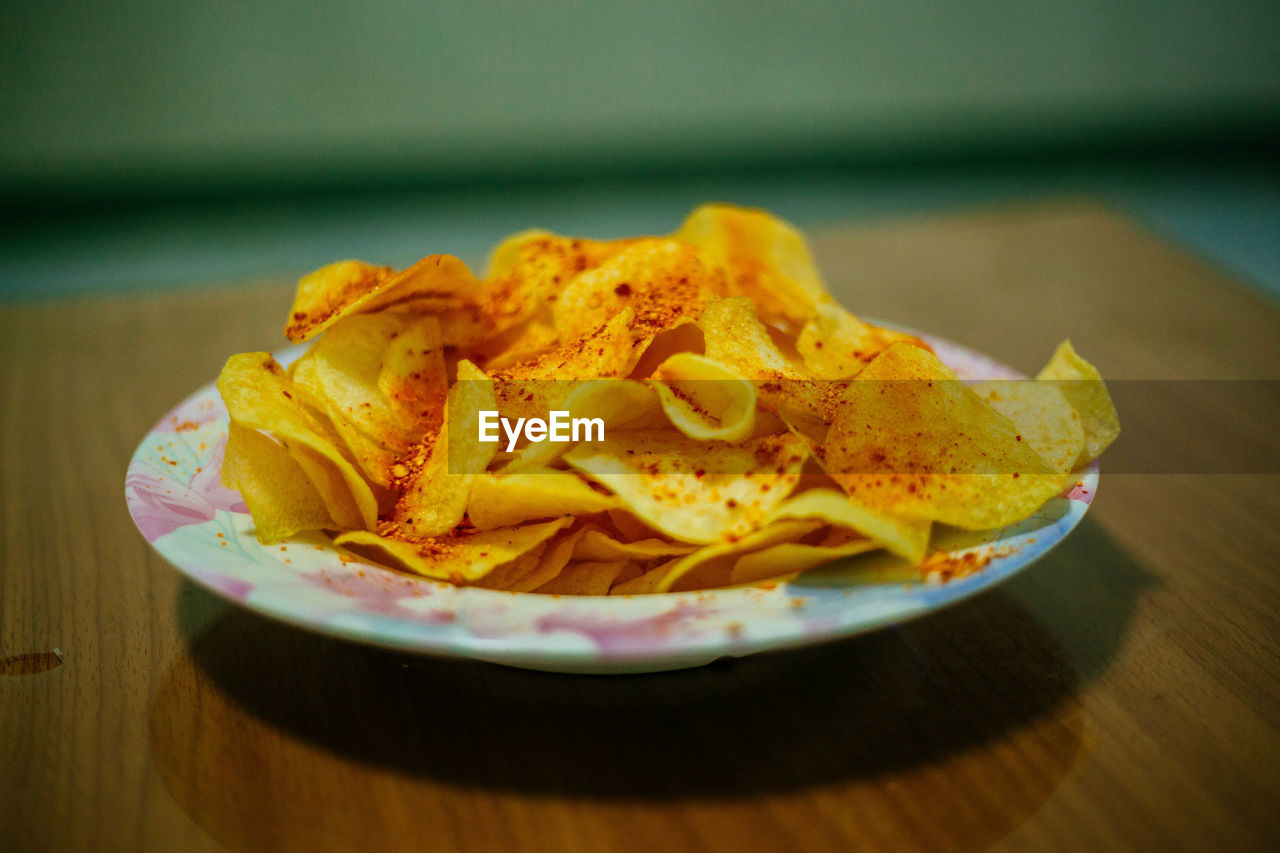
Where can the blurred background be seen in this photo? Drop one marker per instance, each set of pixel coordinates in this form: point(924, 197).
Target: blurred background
point(148, 144)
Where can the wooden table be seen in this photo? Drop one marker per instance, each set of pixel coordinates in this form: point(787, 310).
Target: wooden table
point(1121, 694)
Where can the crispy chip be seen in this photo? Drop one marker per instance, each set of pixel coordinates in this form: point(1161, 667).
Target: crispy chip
point(1081, 384)
point(458, 557)
point(595, 544)
point(767, 260)
point(620, 404)
point(584, 579)
point(1043, 417)
point(380, 379)
point(523, 574)
point(513, 310)
point(663, 282)
point(736, 338)
point(281, 498)
point(663, 479)
point(836, 345)
point(437, 283)
point(908, 439)
point(906, 537)
point(713, 564)
point(704, 399)
point(436, 483)
point(501, 500)
point(789, 558)
point(259, 396)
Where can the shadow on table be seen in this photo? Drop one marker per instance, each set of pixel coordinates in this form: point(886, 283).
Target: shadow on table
point(236, 721)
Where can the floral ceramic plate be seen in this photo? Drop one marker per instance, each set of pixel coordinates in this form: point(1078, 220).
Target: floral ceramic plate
point(204, 529)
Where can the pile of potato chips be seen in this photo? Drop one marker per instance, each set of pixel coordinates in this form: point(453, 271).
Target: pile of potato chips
point(753, 427)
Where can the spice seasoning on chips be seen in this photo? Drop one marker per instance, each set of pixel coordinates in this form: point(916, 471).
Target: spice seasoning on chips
point(750, 426)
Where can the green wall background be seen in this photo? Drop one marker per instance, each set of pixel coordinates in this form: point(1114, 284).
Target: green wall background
point(144, 97)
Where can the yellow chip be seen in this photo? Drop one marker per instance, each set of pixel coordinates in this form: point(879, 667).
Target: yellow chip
point(521, 343)
point(437, 283)
point(618, 403)
point(608, 351)
point(704, 399)
point(259, 396)
point(522, 574)
point(836, 345)
point(281, 498)
point(910, 440)
point(436, 484)
point(766, 258)
point(333, 485)
point(584, 579)
point(790, 558)
point(736, 338)
point(694, 491)
point(512, 314)
point(380, 379)
point(713, 565)
point(632, 529)
point(501, 500)
point(536, 567)
point(1043, 417)
point(459, 557)
point(596, 545)
point(663, 282)
point(1084, 389)
point(906, 537)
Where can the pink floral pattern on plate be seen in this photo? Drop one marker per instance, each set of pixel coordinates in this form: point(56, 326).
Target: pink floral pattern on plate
point(176, 499)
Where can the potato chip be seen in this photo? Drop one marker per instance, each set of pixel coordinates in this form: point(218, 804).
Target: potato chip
point(789, 558)
point(681, 487)
point(595, 544)
point(736, 338)
point(836, 345)
point(524, 573)
point(713, 564)
point(281, 498)
point(380, 379)
point(908, 439)
point(440, 282)
point(518, 344)
point(704, 399)
point(1042, 415)
point(1084, 389)
point(584, 579)
point(536, 567)
point(322, 293)
point(459, 556)
point(436, 481)
point(620, 404)
point(501, 500)
point(607, 351)
point(563, 546)
point(527, 273)
point(632, 529)
point(664, 282)
point(334, 485)
point(906, 537)
point(259, 396)
point(766, 259)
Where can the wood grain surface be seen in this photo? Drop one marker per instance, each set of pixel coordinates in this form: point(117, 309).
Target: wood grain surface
point(1122, 694)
